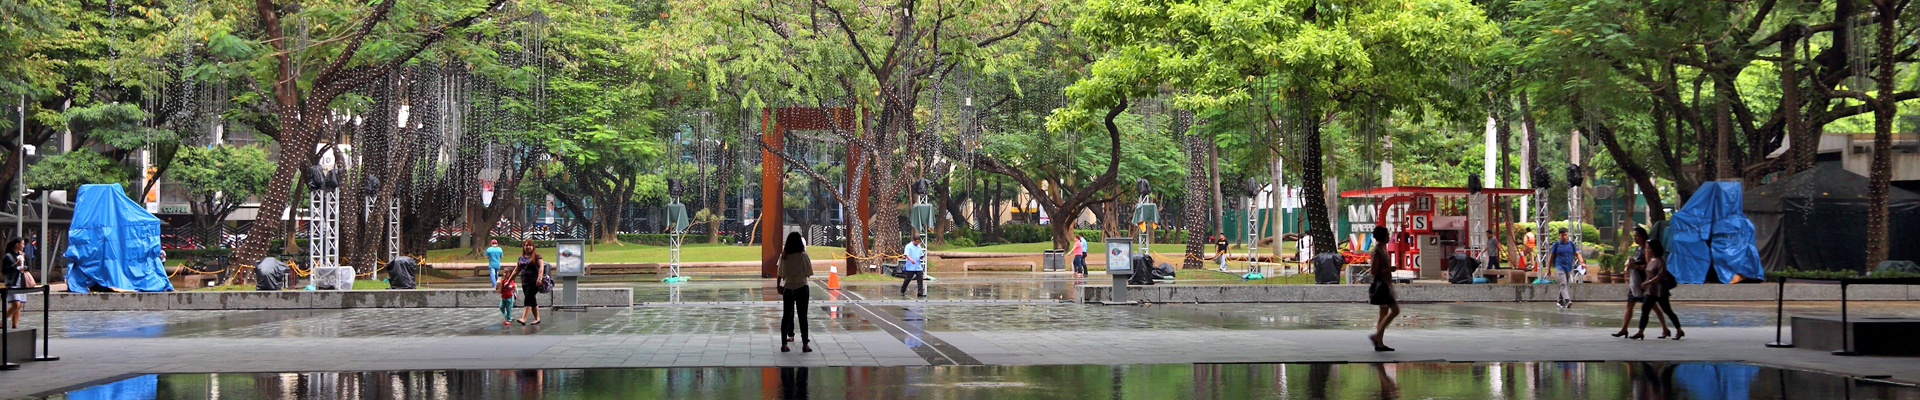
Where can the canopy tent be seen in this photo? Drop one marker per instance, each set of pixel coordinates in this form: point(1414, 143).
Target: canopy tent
point(1711, 233)
point(114, 243)
point(1816, 220)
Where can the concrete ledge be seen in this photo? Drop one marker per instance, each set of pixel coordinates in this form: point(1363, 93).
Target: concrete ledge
point(1480, 293)
point(318, 299)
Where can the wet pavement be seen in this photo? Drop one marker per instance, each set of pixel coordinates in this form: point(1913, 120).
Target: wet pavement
point(841, 316)
point(972, 337)
point(1523, 380)
point(949, 289)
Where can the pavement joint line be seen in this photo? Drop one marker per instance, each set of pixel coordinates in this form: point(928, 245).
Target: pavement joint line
point(877, 315)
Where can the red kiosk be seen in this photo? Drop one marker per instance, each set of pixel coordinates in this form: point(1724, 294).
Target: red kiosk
point(1424, 230)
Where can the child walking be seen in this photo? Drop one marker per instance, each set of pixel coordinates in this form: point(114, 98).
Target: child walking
point(505, 287)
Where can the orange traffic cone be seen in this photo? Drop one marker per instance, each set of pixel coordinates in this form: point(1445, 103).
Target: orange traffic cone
point(833, 277)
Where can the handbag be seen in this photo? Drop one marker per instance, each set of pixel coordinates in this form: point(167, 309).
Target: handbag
point(546, 283)
point(27, 281)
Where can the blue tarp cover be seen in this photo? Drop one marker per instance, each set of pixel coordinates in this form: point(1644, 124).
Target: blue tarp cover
point(114, 243)
point(1712, 230)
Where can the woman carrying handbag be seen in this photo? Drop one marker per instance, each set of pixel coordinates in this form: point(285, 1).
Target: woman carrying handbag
point(14, 264)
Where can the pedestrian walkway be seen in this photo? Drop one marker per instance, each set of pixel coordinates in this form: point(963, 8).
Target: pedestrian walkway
point(104, 346)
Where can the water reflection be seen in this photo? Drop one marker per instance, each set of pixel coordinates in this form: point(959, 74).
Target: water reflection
point(1542, 380)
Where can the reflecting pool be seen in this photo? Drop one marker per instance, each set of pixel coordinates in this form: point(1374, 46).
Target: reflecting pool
point(1525, 380)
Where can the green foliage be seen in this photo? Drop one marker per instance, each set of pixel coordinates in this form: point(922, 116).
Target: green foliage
point(237, 172)
point(180, 254)
point(117, 125)
point(961, 241)
point(1588, 233)
point(1025, 233)
point(74, 168)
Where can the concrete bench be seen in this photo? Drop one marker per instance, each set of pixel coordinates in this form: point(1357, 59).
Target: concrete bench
point(970, 265)
point(21, 343)
point(1505, 275)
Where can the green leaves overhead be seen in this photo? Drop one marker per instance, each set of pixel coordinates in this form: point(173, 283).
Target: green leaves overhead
point(1400, 51)
point(234, 171)
point(71, 169)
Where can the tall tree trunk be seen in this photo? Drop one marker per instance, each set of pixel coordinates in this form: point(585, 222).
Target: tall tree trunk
point(1213, 182)
point(1883, 115)
point(1626, 160)
point(1503, 129)
point(1313, 189)
point(1802, 147)
point(1196, 205)
point(1533, 137)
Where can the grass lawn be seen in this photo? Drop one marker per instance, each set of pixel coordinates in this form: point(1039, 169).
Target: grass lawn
point(636, 253)
point(640, 253)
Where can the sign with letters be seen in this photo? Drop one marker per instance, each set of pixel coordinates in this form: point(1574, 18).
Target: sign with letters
point(1420, 223)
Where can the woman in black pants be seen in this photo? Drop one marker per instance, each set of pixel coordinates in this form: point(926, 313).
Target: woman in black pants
point(531, 270)
point(1659, 288)
point(794, 270)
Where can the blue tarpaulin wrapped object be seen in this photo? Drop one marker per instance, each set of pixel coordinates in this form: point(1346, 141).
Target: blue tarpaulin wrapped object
point(1712, 231)
point(113, 243)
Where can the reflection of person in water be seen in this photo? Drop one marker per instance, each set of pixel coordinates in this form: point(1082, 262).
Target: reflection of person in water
point(793, 383)
point(1388, 388)
point(1648, 381)
point(918, 324)
point(533, 383)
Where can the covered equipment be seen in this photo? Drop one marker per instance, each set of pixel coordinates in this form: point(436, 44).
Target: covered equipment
point(1815, 219)
point(1712, 233)
point(400, 272)
point(1460, 268)
point(271, 274)
point(114, 243)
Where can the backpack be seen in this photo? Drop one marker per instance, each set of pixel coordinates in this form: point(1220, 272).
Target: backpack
point(546, 280)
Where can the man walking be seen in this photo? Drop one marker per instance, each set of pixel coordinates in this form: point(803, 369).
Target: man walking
point(1566, 258)
point(1220, 250)
point(1079, 253)
point(493, 262)
point(915, 267)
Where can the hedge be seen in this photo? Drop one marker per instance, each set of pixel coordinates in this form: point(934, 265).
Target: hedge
point(1160, 236)
point(195, 253)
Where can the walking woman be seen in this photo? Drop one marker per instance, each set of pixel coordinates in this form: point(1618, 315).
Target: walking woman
point(531, 270)
point(14, 264)
point(1380, 292)
point(792, 274)
point(1636, 273)
point(1659, 288)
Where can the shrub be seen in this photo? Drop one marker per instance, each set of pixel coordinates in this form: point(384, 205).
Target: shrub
point(196, 253)
point(650, 239)
point(1026, 233)
point(961, 241)
point(1588, 233)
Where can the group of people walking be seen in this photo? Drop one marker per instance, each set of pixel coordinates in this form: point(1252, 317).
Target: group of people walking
point(1650, 285)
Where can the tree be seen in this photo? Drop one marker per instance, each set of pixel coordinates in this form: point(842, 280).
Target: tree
point(220, 178)
point(878, 57)
point(299, 85)
point(1312, 58)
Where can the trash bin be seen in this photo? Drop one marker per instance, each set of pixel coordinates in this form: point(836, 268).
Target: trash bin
point(1054, 260)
